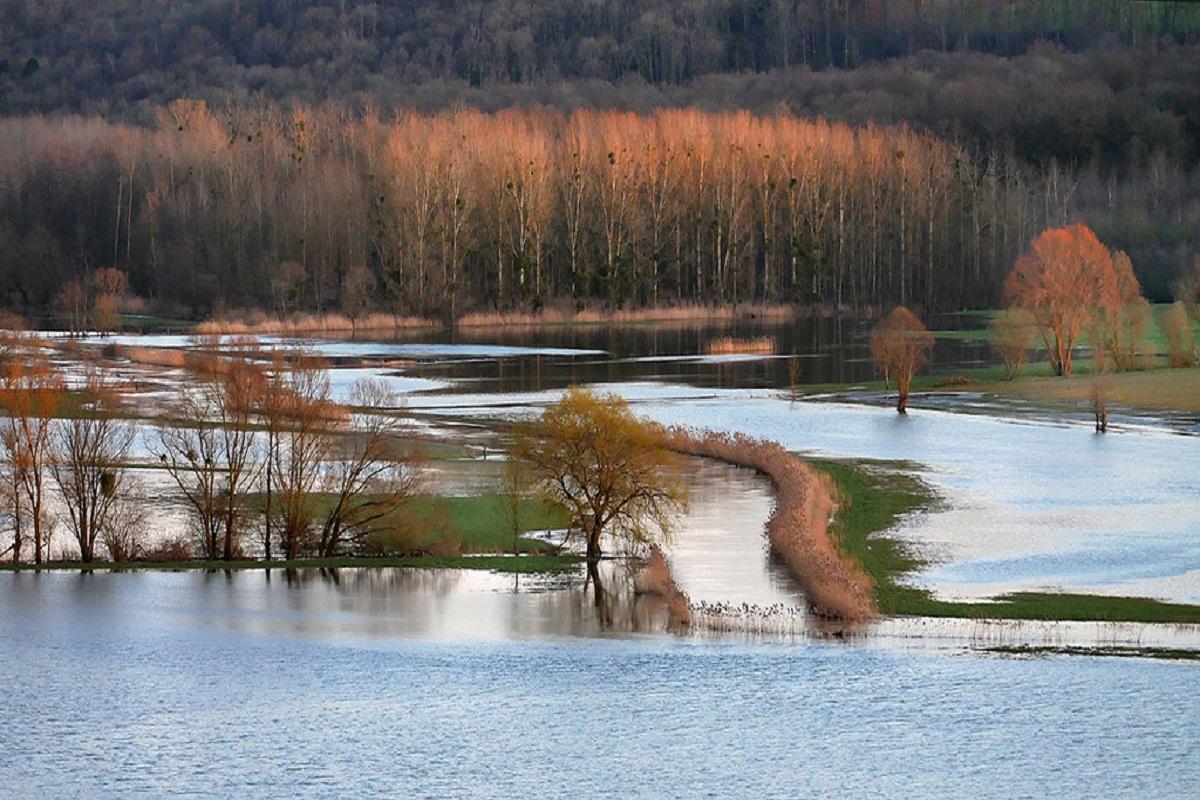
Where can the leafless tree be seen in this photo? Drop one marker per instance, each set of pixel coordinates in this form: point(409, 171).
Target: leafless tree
point(88, 462)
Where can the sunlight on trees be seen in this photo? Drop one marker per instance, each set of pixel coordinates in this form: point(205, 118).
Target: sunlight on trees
point(613, 472)
point(900, 346)
point(1064, 279)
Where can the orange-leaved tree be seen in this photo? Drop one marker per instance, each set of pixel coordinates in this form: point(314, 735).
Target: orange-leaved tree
point(614, 473)
point(1064, 279)
point(900, 346)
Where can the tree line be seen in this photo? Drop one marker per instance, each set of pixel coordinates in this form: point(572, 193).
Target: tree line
point(435, 214)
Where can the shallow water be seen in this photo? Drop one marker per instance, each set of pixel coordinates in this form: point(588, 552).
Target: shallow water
point(206, 686)
point(1027, 503)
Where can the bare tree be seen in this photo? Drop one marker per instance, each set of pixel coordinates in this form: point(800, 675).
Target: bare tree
point(516, 486)
point(305, 414)
point(189, 451)
point(358, 290)
point(88, 462)
point(31, 393)
point(368, 477)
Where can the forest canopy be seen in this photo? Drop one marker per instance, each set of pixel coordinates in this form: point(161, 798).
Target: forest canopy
point(412, 155)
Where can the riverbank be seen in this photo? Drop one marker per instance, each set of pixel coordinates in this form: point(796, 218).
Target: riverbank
point(872, 498)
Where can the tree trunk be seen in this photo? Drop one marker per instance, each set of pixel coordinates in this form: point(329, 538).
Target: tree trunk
point(593, 544)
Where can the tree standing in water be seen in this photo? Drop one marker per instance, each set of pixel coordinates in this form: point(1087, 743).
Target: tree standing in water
point(900, 346)
point(613, 472)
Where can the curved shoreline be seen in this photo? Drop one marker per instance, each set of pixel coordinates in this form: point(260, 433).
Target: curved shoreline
point(798, 528)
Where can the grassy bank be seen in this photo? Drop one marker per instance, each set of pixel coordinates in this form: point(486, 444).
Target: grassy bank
point(470, 524)
point(494, 563)
point(873, 498)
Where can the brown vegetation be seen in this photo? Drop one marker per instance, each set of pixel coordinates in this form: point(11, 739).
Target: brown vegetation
point(728, 345)
point(1012, 332)
point(655, 578)
point(1177, 330)
point(900, 346)
point(798, 529)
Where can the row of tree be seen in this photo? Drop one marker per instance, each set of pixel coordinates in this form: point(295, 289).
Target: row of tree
point(317, 209)
point(254, 446)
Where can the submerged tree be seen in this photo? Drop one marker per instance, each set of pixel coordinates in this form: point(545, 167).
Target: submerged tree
point(900, 346)
point(614, 473)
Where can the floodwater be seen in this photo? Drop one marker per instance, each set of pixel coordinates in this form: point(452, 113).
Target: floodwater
point(418, 683)
point(183, 684)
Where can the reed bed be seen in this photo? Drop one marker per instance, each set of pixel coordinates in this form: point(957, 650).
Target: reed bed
point(728, 345)
point(152, 356)
point(656, 579)
point(798, 529)
point(683, 313)
point(258, 324)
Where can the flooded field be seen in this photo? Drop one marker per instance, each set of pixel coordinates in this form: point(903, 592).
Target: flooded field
point(421, 672)
point(1028, 499)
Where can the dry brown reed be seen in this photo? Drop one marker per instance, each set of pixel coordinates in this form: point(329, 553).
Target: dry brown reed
point(681, 313)
point(798, 529)
point(656, 579)
point(154, 356)
point(728, 345)
point(256, 323)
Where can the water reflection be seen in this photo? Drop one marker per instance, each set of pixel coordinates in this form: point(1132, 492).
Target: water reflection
point(425, 603)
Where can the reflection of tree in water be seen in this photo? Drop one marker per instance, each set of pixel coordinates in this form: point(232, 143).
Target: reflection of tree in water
point(404, 601)
point(599, 600)
point(379, 582)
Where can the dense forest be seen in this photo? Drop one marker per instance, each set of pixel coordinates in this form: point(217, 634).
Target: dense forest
point(899, 150)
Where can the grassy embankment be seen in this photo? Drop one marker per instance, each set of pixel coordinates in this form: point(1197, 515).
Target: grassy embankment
point(872, 500)
point(476, 525)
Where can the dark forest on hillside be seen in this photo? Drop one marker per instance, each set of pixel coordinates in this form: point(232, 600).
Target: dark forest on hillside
point(1044, 111)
